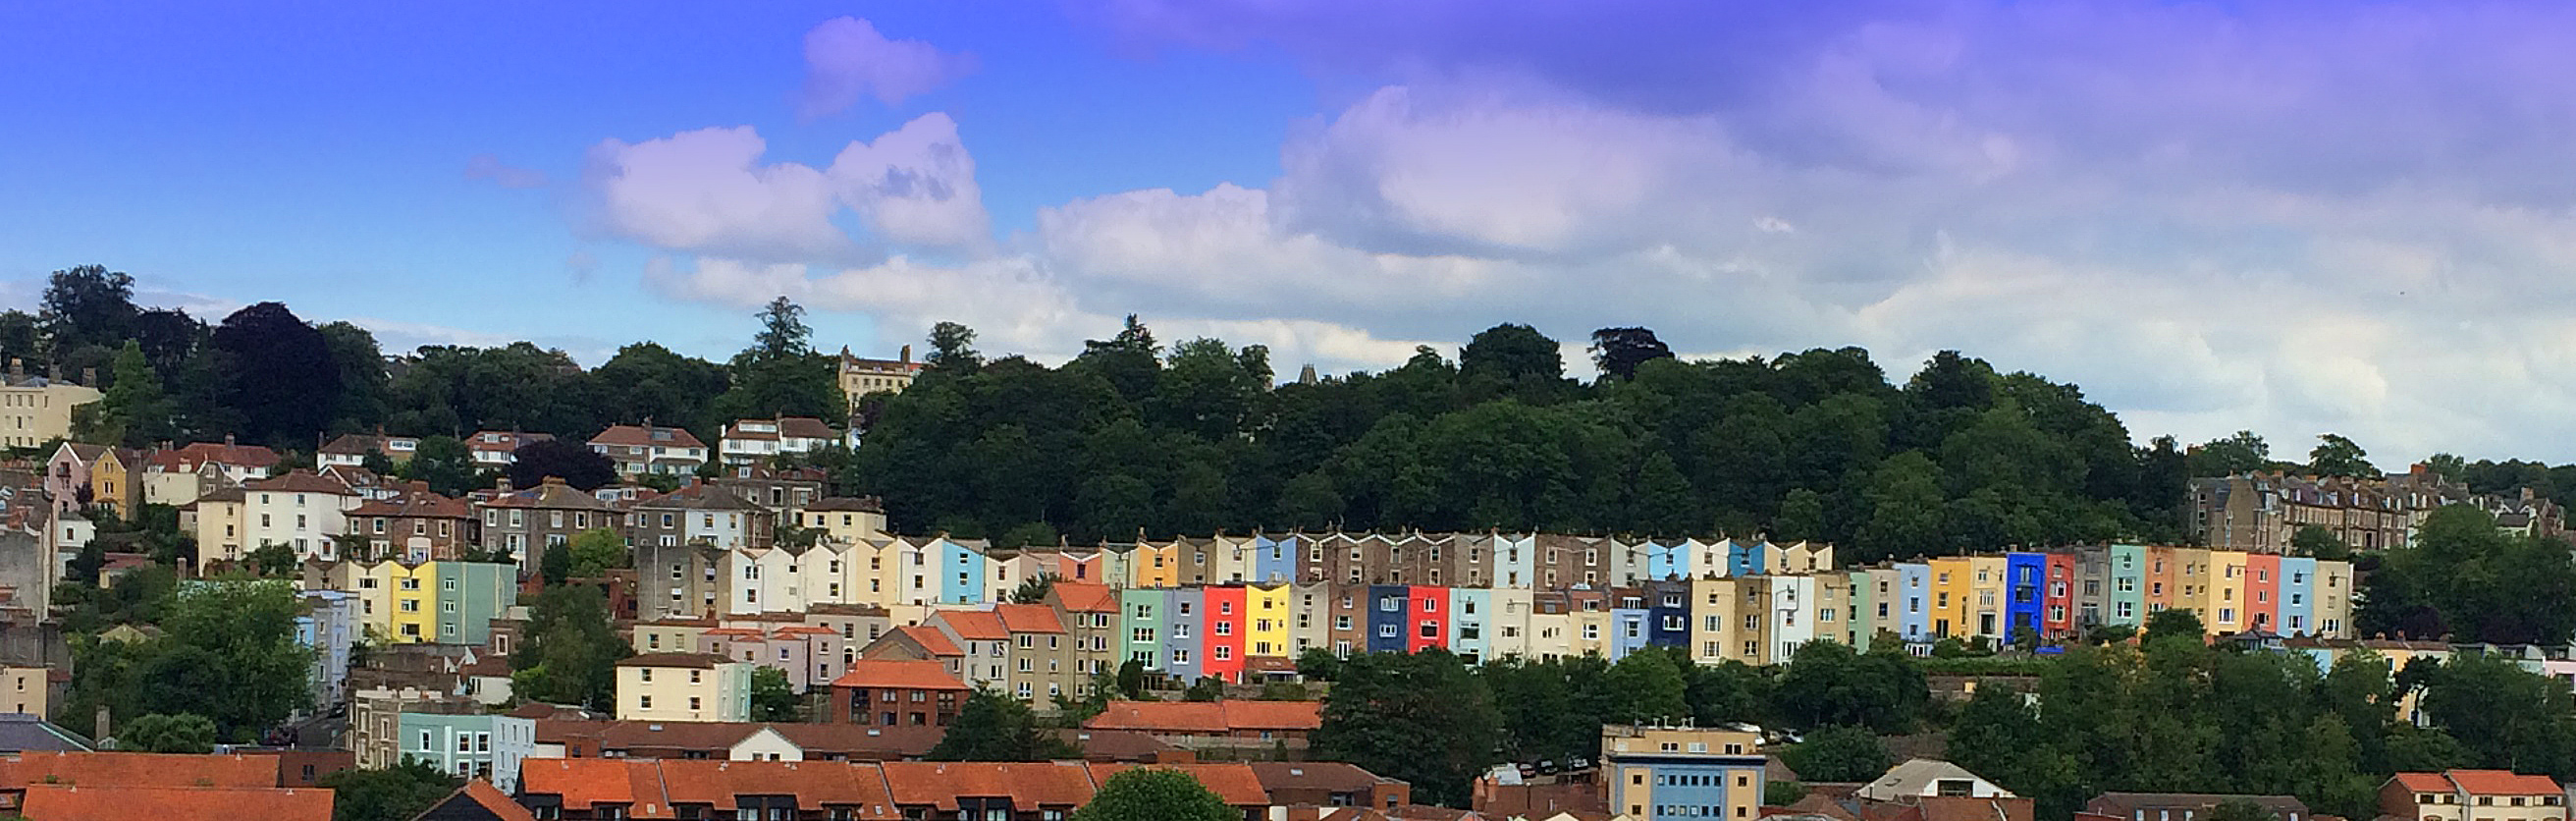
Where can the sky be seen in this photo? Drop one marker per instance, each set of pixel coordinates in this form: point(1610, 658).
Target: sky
point(2290, 217)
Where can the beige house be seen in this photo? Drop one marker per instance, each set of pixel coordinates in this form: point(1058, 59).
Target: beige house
point(219, 527)
point(860, 377)
point(26, 690)
point(683, 687)
point(2472, 795)
point(36, 410)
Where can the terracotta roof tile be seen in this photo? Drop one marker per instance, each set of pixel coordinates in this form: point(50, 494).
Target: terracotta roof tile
point(62, 802)
point(930, 639)
point(1207, 716)
point(1029, 618)
point(2502, 782)
point(918, 675)
point(586, 782)
point(1030, 785)
point(2422, 782)
point(977, 625)
point(481, 793)
point(638, 435)
point(814, 783)
point(138, 770)
point(248, 456)
point(1079, 597)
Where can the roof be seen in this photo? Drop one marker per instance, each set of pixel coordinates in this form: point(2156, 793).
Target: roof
point(2422, 782)
point(698, 497)
point(415, 503)
point(1028, 785)
point(978, 625)
point(2502, 782)
point(1915, 778)
point(929, 638)
point(914, 675)
point(639, 435)
point(1082, 597)
point(63, 802)
point(301, 481)
point(1029, 618)
point(2124, 803)
point(480, 793)
point(354, 444)
point(814, 783)
point(1235, 783)
point(1207, 716)
point(552, 493)
point(20, 732)
point(862, 743)
point(228, 453)
point(138, 769)
point(1314, 775)
point(583, 782)
point(703, 661)
point(837, 504)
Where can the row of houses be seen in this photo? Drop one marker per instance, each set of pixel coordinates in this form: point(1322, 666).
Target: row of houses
point(2260, 512)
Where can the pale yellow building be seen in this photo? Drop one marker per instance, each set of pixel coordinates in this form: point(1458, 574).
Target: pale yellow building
point(683, 687)
point(26, 690)
point(36, 410)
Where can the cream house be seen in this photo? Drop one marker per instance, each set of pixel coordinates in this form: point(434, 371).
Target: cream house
point(683, 687)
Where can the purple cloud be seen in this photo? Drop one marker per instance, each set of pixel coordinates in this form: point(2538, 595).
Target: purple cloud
point(846, 58)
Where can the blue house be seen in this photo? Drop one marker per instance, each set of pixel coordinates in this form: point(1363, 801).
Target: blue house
point(1274, 561)
point(961, 572)
point(1387, 614)
point(1744, 559)
point(2025, 577)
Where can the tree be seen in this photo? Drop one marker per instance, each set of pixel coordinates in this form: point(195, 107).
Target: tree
point(555, 564)
point(1207, 688)
point(1618, 351)
point(2338, 456)
point(1420, 717)
point(1645, 688)
point(1034, 589)
point(229, 654)
point(1148, 794)
point(2174, 623)
point(444, 464)
point(2315, 540)
point(364, 383)
point(780, 374)
point(772, 697)
point(952, 349)
point(996, 727)
point(1517, 359)
point(2234, 455)
point(283, 380)
point(133, 411)
point(573, 462)
point(87, 306)
point(1840, 753)
point(167, 733)
point(395, 793)
point(571, 652)
point(594, 552)
point(1827, 684)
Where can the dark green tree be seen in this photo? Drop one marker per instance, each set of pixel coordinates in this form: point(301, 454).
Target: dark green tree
point(1618, 351)
point(571, 652)
point(133, 411)
point(772, 697)
point(573, 462)
point(167, 733)
point(996, 727)
point(594, 552)
point(2335, 455)
point(443, 463)
point(229, 654)
point(397, 793)
point(952, 349)
point(1828, 684)
point(780, 374)
point(87, 307)
point(1147, 794)
point(2314, 540)
point(1840, 753)
point(1421, 718)
point(2238, 454)
point(283, 379)
point(1034, 589)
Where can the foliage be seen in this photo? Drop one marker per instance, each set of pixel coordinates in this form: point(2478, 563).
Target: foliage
point(2464, 579)
point(2174, 623)
point(595, 552)
point(1826, 684)
point(773, 698)
point(1131, 679)
point(780, 374)
point(992, 726)
point(2316, 541)
point(1618, 351)
point(1207, 688)
point(1421, 718)
point(2238, 809)
point(445, 464)
point(2239, 454)
point(1783, 793)
point(397, 793)
point(227, 653)
point(282, 379)
point(554, 564)
point(1840, 753)
point(133, 411)
point(167, 733)
point(1124, 440)
point(1034, 589)
point(2335, 455)
point(1146, 794)
point(571, 652)
point(573, 462)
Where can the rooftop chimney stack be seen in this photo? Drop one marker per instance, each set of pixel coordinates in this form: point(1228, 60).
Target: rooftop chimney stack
point(907, 354)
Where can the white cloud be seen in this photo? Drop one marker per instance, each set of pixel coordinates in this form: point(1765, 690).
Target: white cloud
point(709, 191)
point(846, 59)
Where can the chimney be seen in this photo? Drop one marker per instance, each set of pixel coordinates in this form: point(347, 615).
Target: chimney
point(17, 370)
point(89, 376)
point(228, 440)
point(502, 485)
point(907, 355)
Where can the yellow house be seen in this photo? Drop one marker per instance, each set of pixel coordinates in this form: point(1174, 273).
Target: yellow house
point(1985, 608)
point(114, 480)
point(673, 636)
point(24, 690)
point(683, 687)
point(1730, 619)
point(1951, 589)
point(412, 595)
point(847, 521)
point(1155, 565)
point(2227, 600)
point(2195, 585)
point(1268, 626)
point(219, 527)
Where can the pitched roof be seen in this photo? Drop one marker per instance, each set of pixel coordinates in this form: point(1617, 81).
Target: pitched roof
point(1029, 618)
point(1207, 716)
point(703, 661)
point(550, 494)
point(1915, 778)
point(2502, 782)
point(862, 743)
point(1235, 783)
point(20, 732)
point(836, 504)
point(480, 793)
point(354, 444)
point(698, 497)
point(301, 481)
point(227, 453)
point(2122, 804)
point(916, 675)
point(1028, 785)
point(64, 802)
point(929, 638)
point(2422, 782)
point(1083, 597)
point(585, 782)
point(805, 427)
point(138, 769)
point(1314, 775)
point(415, 504)
point(814, 783)
point(976, 625)
point(639, 435)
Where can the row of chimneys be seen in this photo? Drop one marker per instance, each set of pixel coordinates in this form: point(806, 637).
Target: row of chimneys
point(53, 373)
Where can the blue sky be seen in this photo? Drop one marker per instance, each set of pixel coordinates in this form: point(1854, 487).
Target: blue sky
point(2293, 217)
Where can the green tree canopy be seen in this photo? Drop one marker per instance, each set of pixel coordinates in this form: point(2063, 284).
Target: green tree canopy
point(773, 698)
point(596, 551)
point(570, 654)
point(1421, 718)
point(1840, 753)
point(397, 793)
point(992, 726)
point(167, 733)
point(1147, 794)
